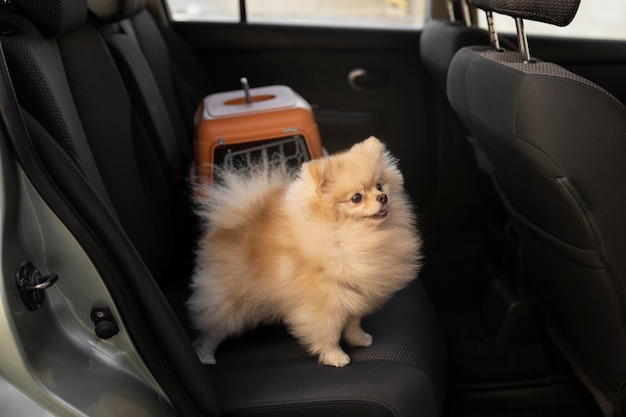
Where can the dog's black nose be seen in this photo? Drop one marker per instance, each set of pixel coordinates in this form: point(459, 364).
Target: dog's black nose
point(382, 198)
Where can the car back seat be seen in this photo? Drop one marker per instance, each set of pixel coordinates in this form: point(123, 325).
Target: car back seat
point(81, 118)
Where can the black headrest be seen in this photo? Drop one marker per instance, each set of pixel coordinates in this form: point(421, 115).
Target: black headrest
point(554, 12)
point(54, 17)
point(115, 10)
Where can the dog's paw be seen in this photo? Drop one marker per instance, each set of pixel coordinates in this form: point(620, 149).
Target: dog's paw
point(337, 358)
point(358, 338)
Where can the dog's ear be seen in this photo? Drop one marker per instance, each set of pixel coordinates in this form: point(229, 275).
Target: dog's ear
point(372, 147)
point(314, 173)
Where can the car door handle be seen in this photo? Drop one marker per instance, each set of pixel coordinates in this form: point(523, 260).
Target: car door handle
point(362, 79)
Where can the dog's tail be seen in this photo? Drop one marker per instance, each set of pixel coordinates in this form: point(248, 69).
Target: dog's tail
point(235, 192)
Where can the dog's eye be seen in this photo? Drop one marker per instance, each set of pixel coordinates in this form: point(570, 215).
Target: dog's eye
point(357, 198)
point(379, 187)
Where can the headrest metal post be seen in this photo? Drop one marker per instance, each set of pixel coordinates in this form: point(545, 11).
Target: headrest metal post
point(466, 13)
point(493, 35)
point(522, 40)
point(450, 7)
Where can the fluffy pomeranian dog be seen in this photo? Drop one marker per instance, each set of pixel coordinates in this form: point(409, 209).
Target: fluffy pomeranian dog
point(316, 251)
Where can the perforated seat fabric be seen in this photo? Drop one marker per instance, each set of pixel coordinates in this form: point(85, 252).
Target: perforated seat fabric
point(556, 143)
point(81, 119)
point(398, 327)
point(268, 373)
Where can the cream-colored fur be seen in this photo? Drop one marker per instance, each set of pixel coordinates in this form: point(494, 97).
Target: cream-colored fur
point(303, 251)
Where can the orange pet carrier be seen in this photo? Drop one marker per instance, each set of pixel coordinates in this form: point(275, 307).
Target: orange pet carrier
point(234, 126)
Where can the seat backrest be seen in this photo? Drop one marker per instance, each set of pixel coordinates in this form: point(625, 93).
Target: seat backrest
point(163, 98)
point(174, 65)
point(556, 144)
point(442, 38)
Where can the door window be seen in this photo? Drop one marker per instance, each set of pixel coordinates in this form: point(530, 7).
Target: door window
point(369, 13)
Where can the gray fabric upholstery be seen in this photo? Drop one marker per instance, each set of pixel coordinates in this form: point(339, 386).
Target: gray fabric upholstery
point(556, 144)
point(54, 17)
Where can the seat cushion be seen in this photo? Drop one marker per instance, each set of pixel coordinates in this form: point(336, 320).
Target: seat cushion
point(266, 372)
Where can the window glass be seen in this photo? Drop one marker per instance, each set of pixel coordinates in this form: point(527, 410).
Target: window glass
point(371, 13)
point(600, 19)
point(338, 12)
point(215, 10)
